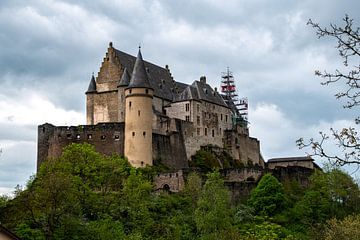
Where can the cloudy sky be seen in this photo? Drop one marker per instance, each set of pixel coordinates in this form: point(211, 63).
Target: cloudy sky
point(49, 48)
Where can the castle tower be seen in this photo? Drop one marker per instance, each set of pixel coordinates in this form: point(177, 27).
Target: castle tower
point(138, 116)
point(90, 94)
point(123, 84)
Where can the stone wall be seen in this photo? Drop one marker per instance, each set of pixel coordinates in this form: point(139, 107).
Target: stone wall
point(106, 107)
point(110, 72)
point(305, 164)
point(243, 148)
point(249, 174)
point(169, 147)
point(170, 181)
point(108, 138)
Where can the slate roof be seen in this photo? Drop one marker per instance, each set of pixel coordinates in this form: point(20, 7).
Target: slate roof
point(159, 78)
point(92, 85)
point(290, 159)
point(139, 76)
point(206, 93)
point(125, 79)
point(167, 88)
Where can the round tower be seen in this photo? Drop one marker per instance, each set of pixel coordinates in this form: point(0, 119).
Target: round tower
point(138, 117)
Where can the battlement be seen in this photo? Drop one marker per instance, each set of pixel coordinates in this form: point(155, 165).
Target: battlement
point(108, 138)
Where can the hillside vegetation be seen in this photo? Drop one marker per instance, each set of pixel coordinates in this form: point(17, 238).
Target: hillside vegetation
point(86, 195)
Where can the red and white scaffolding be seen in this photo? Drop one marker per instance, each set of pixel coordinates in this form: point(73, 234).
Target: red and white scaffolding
point(239, 106)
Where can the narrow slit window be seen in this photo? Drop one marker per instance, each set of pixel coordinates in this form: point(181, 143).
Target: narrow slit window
point(139, 113)
point(144, 134)
point(133, 134)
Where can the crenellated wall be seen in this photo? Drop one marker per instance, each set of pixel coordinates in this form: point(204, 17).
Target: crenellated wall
point(108, 138)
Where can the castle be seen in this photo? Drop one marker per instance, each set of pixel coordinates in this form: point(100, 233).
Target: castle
point(137, 109)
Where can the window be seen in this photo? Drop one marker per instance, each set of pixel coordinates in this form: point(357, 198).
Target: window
point(68, 136)
point(103, 137)
point(205, 131)
point(130, 91)
point(129, 104)
point(198, 131)
point(144, 134)
point(142, 163)
point(89, 136)
point(78, 136)
point(213, 133)
point(117, 137)
point(198, 107)
point(187, 107)
point(198, 120)
point(226, 118)
point(147, 91)
point(187, 118)
point(221, 118)
point(133, 134)
point(139, 113)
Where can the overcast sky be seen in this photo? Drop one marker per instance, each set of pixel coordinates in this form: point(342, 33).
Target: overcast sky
point(49, 48)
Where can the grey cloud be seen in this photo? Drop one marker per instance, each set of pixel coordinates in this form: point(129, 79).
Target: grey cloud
point(52, 48)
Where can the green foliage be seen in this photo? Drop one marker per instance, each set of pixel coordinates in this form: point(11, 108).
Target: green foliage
point(265, 231)
point(205, 160)
point(86, 195)
point(213, 208)
point(348, 228)
point(268, 197)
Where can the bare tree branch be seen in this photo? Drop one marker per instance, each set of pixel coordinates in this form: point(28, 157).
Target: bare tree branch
point(347, 139)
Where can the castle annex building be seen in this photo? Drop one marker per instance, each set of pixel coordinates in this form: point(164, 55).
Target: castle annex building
point(136, 109)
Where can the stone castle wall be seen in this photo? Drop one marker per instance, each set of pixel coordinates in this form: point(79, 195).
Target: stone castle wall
point(108, 138)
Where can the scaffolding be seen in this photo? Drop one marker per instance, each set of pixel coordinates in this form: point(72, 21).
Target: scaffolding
point(238, 106)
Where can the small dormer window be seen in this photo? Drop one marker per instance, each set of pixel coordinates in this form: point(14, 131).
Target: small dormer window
point(206, 91)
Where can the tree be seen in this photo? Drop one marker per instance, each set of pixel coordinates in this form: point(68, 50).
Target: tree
point(348, 228)
point(348, 139)
point(330, 194)
point(268, 196)
point(213, 216)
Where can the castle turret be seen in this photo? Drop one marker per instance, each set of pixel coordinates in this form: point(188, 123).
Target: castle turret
point(90, 94)
point(138, 116)
point(123, 83)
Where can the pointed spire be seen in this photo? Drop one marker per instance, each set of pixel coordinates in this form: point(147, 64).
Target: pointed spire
point(125, 79)
point(92, 85)
point(139, 77)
